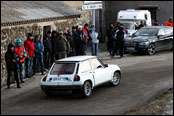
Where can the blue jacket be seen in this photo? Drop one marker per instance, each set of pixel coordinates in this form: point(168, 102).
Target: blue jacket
point(38, 48)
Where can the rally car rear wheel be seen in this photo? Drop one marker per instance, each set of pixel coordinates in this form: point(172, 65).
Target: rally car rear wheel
point(86, 89)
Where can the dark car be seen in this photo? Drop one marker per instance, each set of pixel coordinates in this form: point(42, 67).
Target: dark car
point(150, 39)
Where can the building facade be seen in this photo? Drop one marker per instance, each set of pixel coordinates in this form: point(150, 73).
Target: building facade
point(18, 18)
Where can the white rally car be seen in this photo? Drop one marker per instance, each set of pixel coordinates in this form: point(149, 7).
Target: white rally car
point(79, 73)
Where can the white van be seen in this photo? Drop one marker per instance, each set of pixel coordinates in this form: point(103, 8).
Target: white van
point(131, 19)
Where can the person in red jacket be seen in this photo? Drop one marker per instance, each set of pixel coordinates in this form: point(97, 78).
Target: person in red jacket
point(85, 29)
point(169, 22)
point(29, 47)
point(20, 54)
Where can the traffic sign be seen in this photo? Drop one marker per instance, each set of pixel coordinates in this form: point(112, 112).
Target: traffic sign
point(92, 2)
point(92, 6)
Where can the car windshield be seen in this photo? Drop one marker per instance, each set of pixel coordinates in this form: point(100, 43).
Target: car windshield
point(63, 68)
point(128, 25)
point(146, 32)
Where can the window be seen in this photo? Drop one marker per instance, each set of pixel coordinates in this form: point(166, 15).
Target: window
point(63, 68)
point(146, 32)
point(95, 63)
point(85, 66)
point(168, 31)
point(161, 32)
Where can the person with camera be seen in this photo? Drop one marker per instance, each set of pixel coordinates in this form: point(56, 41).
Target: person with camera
point(20, 55)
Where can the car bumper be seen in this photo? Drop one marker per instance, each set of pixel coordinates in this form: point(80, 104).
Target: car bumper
point(137, 48)
point(60, 87)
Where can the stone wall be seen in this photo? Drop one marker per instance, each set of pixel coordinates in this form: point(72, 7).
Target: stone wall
point(11, 33)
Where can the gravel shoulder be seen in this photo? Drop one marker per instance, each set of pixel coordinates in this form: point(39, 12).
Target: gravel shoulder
point(156, 106)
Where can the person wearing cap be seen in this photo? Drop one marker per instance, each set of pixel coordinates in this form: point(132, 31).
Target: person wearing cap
point(74, 34)
point(71, 43)
point(61, 46)
point(47, 51)
point(38, 50)
point(81, 43)
point(11, 62)
point(20, 54)
point(29, 47)
point(169, 22)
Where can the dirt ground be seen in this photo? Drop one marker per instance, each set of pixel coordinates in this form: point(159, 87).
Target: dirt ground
point(155, 107)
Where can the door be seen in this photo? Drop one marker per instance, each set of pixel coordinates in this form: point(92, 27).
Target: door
point(46, 29)
point(168, 38)
point(100, 73)
point(160, 43)
point(85, 70)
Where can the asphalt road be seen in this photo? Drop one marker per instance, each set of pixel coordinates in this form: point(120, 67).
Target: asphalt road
point(143, 77)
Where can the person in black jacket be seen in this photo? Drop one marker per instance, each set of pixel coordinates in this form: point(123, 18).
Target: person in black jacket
point(119, 45)
point(47, 51)
point(81, 42)
point(110, 43)
point(11, 62)
point(141, 25)
point(53, 38)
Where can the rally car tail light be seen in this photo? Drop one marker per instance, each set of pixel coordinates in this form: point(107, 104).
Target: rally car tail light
point(76, 77)
point(45, 78)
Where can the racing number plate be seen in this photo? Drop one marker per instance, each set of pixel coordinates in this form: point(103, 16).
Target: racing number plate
point(130, 48)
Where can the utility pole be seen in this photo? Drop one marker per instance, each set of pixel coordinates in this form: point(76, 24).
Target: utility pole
point(93, 17)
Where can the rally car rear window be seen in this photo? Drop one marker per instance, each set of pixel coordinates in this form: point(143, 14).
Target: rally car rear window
point(63, 68)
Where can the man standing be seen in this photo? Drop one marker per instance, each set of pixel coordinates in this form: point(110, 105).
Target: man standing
point(169, 22)
point(94, 36)
point(61, 46)
point(29, 46)
point(47, 51)
point(71, 43)
point(120, 33)
point(85, 30)
point(11, 62)
point(110, 43)
point(74, 34)
point(38, 50)
point(20, 54)
point(53, 39)
point(141, 25)
point(81, 42)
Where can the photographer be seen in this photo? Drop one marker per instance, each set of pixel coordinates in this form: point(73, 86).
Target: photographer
point(20, 54)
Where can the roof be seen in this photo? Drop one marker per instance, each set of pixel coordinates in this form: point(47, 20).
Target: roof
point(76, 58)
point(132, 14)
point(157, 27)
point(15, 11)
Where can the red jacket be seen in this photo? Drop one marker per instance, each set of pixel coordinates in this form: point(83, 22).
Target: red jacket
point(29, 47)
point(20, 52)
point(168, 23)
point(86, 32)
